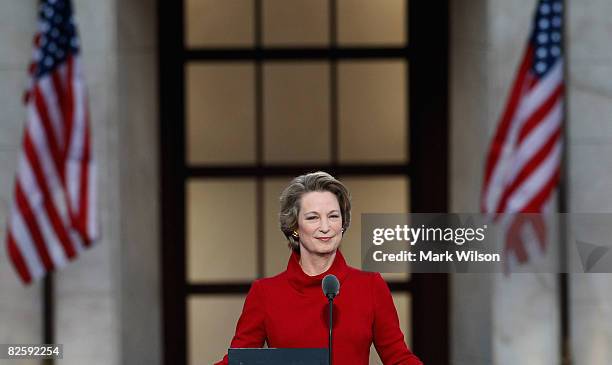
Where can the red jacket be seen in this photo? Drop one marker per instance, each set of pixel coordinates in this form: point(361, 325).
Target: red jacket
point(290, 311)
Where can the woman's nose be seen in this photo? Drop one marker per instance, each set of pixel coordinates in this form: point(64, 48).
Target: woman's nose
point(324, 225)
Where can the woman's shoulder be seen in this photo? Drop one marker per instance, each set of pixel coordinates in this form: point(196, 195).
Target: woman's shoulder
point(271, 280)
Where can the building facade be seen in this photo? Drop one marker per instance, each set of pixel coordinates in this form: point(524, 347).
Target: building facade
point(111, 305)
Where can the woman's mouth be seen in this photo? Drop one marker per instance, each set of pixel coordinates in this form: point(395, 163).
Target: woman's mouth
point(324, 239)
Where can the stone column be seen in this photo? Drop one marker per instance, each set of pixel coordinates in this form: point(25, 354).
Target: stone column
point(140, 237)
point(495, 319)
point(109, 301)
point(20, 306)
point(590, 153)
point(470, 305)
point(87, 291)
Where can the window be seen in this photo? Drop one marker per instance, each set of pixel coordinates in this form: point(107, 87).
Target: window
point(255, 92)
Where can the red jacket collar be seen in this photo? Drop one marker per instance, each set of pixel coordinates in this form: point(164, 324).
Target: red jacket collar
point(311, 285)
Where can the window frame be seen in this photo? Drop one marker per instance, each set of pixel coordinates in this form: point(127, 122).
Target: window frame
point(427, 93)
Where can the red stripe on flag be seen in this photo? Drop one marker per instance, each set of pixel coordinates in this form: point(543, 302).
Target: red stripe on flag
point(54, 148)
point(30, 220)
point(539, 227)
point(59, 91)
point(515, 240)
point(32, 68)
point(544, 194)
point(539, 114)
point(36, 40)
point(69, 105)
point(17, 259)
point(502, 132)
point(529, 168)
point(83, 206)
point(50, 209)
point(531, 82)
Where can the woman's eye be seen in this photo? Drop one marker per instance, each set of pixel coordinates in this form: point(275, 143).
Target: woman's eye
point(310, 218)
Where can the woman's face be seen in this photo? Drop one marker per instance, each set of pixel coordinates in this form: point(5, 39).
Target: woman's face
point(319, 222)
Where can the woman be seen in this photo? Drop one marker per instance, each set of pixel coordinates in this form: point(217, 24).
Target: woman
point(290, 311)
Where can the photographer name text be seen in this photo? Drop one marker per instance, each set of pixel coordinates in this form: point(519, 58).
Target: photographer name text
point(430, 256)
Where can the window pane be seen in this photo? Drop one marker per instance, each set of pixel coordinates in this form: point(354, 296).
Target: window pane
point(211, 322)
point(220, 113)
point(276, 251)
point(221, 230)
point(295, 22)
point(218, 23)
point(296, 112)
point(402, 303)
point(372, 111)
point(387, 194)
point(367, 22)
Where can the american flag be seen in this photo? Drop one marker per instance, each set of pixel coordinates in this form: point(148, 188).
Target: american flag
point(53, 213)
point(524, 160)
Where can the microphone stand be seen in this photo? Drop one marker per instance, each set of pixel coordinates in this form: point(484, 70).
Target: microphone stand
point(331, 288)
point(331, 306)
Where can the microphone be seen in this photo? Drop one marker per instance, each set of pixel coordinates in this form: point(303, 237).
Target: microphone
point(331, 288)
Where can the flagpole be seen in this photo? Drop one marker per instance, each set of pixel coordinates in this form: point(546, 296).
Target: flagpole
point(564, 316)
point(48, 314)
point(48, 306)
point(48, 309)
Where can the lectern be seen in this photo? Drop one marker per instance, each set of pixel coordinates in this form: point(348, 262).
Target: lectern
point(272, 356)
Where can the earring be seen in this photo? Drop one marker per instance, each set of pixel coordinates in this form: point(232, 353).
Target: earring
point(295, 234)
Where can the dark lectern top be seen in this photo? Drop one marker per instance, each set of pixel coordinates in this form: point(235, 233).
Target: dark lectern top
point(278, 356)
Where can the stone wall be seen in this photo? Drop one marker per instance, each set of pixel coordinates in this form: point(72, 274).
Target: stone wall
point(20, 307)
